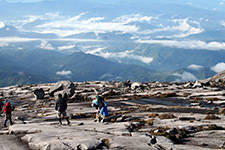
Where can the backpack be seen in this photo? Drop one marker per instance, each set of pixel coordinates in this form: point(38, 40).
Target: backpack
point(7, 107)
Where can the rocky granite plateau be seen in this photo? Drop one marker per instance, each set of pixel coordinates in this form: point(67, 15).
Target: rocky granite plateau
point(151, 116)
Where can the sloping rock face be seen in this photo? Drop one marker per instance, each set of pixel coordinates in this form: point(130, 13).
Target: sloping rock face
point(219, 77)
point(217, 80)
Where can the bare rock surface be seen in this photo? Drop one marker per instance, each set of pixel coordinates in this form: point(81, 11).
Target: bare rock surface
point(152, 115)
point(11, 142)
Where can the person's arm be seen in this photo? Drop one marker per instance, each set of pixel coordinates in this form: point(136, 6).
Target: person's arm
point(56, 104)
point(65, 105)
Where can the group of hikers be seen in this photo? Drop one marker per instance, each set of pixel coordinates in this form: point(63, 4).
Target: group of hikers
point(98, 103)
point(61, 107)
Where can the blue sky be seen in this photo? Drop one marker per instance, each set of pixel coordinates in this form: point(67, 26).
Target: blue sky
point(24, 0)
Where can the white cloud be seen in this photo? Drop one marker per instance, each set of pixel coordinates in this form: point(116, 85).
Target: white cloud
point(95, 51)
point(195, 67)
point(76, 40)
point(106, 76)
point(32, 18)
point(183, 28)
point(218, 67)
point(7, 40)
point(17, 39)
point(185, 76)
point(66, 47)
point(45, 45)
point(61, 22)
point(66, 26)
point(221, 3)
point(133, 18)
point(2, 44)
point(64, 73)
point(51, 15)
point(223, 23)
point(126, 54)
point(187, 44)
point(2, 25)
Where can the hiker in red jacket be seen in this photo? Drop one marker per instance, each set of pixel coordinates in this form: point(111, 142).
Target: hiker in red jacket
point(7, 109)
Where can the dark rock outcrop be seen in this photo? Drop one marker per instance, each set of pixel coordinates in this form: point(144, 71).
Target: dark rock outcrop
point(39, 93)
point(67, 87)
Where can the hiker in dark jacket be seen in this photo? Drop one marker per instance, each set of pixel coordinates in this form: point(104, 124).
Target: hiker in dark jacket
point(7, 109)
point(61, 107)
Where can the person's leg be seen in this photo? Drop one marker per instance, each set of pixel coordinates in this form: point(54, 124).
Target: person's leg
point(102, 118)
point(66, 117)
point(68, 121)
point(5, 120)
point(99, 118)
point(10, 118)
point(59, 118)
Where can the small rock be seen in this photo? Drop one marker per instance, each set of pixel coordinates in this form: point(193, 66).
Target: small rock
point(172, 131)
point(186, 118)
point(204, 144)
point(80, 124)
point(153, 140)
point(197, 84)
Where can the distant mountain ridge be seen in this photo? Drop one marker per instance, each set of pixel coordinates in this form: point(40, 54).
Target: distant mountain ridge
point(38, 66)
point(135, 40)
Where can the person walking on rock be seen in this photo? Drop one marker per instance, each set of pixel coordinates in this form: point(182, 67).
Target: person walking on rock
point(61, 107)
point(101, 107)
point(7, 109)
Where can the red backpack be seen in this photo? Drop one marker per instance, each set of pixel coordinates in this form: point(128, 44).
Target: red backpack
point(7, 108)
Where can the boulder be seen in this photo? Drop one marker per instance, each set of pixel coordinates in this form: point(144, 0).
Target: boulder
point(110, 93)
point(197, 84)
point(62, 86)
point(186, 118)
point(187, 85)
point(87, 145)
point(39, 93)
point(135, 85)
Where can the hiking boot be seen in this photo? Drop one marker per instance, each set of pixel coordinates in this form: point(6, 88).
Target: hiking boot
point(60, 121)
point(103, 120)
point(68, 123)
point(11, 123)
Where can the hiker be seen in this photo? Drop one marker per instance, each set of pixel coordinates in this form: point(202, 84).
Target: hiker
point(7, 109)
point(101, 107)
point(61, 106)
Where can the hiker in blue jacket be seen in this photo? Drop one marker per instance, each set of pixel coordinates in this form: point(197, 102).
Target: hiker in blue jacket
point(101, 107)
